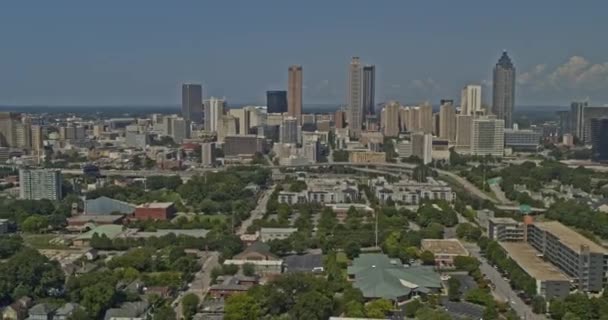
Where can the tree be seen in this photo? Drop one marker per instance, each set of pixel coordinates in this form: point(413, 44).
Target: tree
point(412, 307)
point(378, 308)
point(539, 305)
point(34, 224)
point(190, 305)
point(454, 289)
point(242, 307)
point(312, 305)
point(164, 313)
point(353, 249)
point(80, 314)
point(354, 309)
point(9, 245)
point(468, 264)
point(427, 257)
point(248, 269)
point(97, 298)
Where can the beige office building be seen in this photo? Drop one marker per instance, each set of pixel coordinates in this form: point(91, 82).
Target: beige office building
point(390, 119)
point(425, 118)
point(470, 100)
point(447, 122)
point(294, 94)
point(37, 140)
point(463, 131)
point(8, 129)
point(367, 157)
point(227, 127)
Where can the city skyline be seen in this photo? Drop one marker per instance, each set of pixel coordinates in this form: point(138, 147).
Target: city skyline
point(136, 61)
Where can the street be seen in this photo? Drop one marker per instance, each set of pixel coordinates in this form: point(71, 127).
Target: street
point(502, 290)
point(258, 212)
point(202, 280)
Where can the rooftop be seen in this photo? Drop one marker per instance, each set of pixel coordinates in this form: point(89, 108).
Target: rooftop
point(503, 220)
point(277, 230)
point(156, 205)
point(196, 233)
point(444, 246)
point(109, 230)
point(527, 258)
point(569, 237)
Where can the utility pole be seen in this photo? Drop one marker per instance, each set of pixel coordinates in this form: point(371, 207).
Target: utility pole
point(376, 213)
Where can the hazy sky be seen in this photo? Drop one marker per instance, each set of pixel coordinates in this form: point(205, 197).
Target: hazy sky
point(140, 51)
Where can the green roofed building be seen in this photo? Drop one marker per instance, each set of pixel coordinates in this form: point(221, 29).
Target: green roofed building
point(377, 276)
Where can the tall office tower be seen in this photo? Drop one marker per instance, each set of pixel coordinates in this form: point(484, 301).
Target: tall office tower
point(208, 154)
point(503, 90)
point(577, 116)
point(470, 100)
point(488, 137)
point(243, 116)
point(599, 138)
point(24, 135)
point(192, 102)
point(390, 119)
point(38, 184)
point(410, 119)
point(276, 101)
point(294, 93)
point(446, 101)
point(214, 109)
point(463, 131)
point(289, 130)
point(8, 127)
point(340, 119)
point(228, 126)
point(422, 146)
point(355, 98)
point(67, 133)
point(447, 122)
point(369, 90)
point(180, 129)
point(588, 114)
point(37, 140)
point(564, 122)
point(168, 125)
point(425, 118)
point(257, 116)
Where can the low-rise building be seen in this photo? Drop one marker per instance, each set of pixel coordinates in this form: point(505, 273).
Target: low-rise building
point(322, 191)
point(505, 229)
point(129, 311)
point(155, 211)
point(411, 192)
point(269, 234)
point(304, 263)
point(229, 285)
point(550, 282)
point(261, 267)
point(444, 250)
point(341, 209)
point(367, 157)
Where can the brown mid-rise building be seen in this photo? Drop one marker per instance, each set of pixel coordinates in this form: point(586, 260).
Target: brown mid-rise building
point(155, 211)
point(294, 94)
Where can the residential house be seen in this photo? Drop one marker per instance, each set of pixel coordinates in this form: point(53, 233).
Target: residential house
point(17, 310)
point(41, 311)
point(304, 263)
point(128, 311)
point(66, 311)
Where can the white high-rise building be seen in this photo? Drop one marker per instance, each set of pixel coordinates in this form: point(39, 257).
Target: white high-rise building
point(208, 154)
point(38, 184)
point(470, 102)
point(488, 137)
point(214, 110)
point(355, 97)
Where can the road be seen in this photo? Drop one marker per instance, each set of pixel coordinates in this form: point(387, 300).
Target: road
point(202, 281)
point(258, 212)
point(469, 187)
point(503, 290)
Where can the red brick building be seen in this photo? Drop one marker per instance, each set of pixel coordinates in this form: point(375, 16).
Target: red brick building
point(155, 211)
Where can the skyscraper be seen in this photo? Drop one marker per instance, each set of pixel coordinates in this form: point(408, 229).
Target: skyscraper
point(390, 119)
point(339, 119)
point(180, 129)
point(37, 140)
point(8, 129)
point(276, 101)
point(488, 137)
point(422, 146)
point(38, 184)
point(355, 98)
point(447, 122)
point(599, 138)
point(577, 116)
point(192, 102)
point(289, 130)
point(294, 99)
point(463, 131)
point(425, 118)
point(214, 109)
point(369, 89)
point(208, 154)
point(470, 102)
point(503, 90)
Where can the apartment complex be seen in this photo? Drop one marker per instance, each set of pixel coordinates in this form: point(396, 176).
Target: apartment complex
point(487, 137)
point(411, 192)
point(583, 260)
point(37, 184)
point(505, 229)
point(322, 191)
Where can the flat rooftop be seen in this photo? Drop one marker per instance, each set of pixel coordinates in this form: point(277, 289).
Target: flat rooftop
point(503, 220)
point(569, 237)
point(156, 205)
point(527, 258)
point(444, 246)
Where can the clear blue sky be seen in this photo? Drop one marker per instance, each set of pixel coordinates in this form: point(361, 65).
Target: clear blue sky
point(140, 51)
